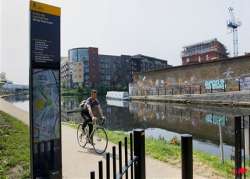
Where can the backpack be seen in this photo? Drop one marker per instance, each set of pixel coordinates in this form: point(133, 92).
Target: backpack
point(83, 104)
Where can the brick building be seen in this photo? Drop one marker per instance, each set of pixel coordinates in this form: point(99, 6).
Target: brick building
point(206, 51)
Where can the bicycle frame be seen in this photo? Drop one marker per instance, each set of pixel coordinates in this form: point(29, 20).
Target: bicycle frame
point(94, 128)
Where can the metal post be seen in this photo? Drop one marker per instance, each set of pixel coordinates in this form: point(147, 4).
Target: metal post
point(114, 162)
point(126, 155)
point(239, 85)
point(224, 86)
point(211, 88)
point(187, 156)
point(244, 147)
point(139, 151)
point(92, 175)
point(200, 89)
point(172, 91)
point(131, 154)
point(120, 157)
point(100, 170)
point(108, 165)
point(238, 142)
point(221, 143)
point(248, 140)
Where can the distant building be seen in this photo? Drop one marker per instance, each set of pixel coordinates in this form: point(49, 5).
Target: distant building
point(210, 50)
point(142, 63)
point(77, 76)
point(88, 57)
point(65, 72)
point(117, 71)
point(85, 66)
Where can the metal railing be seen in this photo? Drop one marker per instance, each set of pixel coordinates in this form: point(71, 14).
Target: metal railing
point(136, 163)
point(184, 89)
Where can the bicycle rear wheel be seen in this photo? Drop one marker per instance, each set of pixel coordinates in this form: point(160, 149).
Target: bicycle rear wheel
point(100, 140)
point(81, 136)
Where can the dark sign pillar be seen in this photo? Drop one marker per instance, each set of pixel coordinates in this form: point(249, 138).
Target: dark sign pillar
point(45, 119)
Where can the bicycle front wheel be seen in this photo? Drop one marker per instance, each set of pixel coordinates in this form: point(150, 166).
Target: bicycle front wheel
point(100, 140)
point(81, 136)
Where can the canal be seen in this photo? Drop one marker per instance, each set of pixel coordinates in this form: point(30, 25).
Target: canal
point(212, 127)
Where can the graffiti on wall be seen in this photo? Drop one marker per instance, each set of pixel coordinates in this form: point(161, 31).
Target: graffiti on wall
point(228, 73)
point(245, 83)
point(215, 84)
point(216, 119)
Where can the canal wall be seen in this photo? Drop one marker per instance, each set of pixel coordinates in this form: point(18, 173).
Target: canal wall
point(236, 98)
point(231, 74)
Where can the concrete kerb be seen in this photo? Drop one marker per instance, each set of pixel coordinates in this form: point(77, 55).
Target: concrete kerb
point(218, 99)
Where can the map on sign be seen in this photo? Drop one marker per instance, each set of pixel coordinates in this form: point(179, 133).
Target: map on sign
point(46, 105)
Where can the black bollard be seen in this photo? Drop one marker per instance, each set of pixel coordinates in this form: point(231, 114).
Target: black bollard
point(139, 151)
point(92, 175)
point(187, 156)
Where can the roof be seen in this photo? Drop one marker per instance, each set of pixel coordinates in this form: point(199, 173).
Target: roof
point(82, 48)
point(144, 56)
point(202, 43)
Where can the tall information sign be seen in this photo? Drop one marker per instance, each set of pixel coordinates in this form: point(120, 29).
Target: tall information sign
point(45, 116)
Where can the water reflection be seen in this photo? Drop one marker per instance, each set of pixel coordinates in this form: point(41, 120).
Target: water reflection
point(21, 101)
point(212, 127)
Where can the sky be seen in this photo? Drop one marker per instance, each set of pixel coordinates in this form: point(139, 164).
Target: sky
point(158, 28)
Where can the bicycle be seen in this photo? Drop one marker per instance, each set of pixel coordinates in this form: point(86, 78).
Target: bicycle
point(98, 137)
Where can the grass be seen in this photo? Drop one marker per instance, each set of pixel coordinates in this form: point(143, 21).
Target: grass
point(163, 150)
point(14, 148)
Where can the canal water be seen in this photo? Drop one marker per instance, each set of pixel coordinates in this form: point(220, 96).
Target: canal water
point(212, 127)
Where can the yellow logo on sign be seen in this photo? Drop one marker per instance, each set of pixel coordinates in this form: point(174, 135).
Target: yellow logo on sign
point(45, 8)
point(39, 104)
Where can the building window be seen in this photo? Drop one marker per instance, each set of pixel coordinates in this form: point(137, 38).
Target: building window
point(83, 54)
point(73, 55)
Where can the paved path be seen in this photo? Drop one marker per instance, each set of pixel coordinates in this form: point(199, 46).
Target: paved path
point(78, 162)
point(14, 111)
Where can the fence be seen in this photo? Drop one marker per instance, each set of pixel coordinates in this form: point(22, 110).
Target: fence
point(187, 89)
point(136, 164)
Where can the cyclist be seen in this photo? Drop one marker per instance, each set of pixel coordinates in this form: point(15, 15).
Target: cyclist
point(87, 110)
